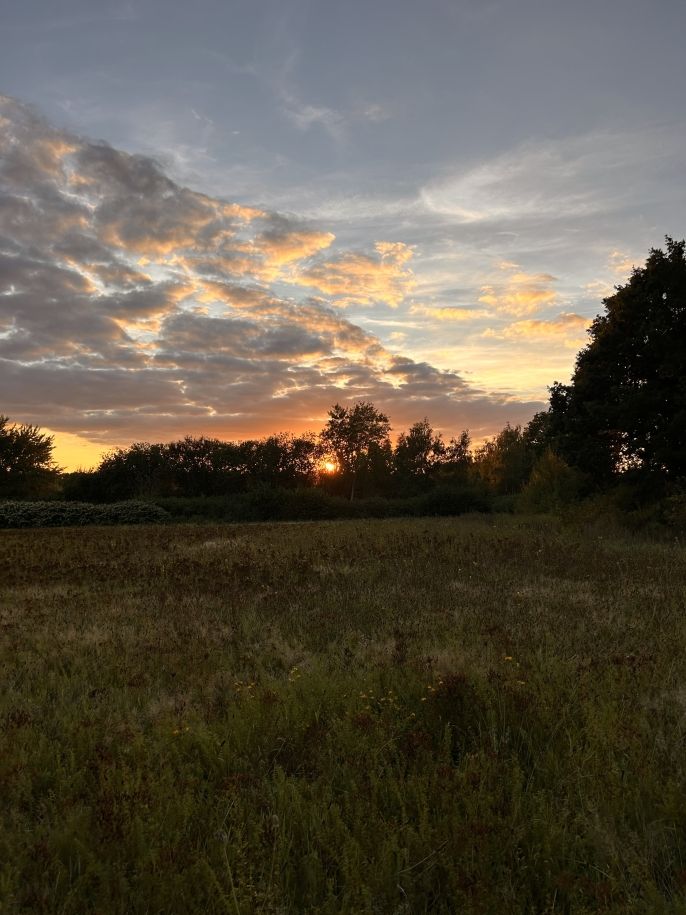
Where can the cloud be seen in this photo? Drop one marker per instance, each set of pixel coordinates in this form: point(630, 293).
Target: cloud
point(567, 326)
point(284, 244)
point(552, 179)
point(518, 293)
point(305, 116)
point(364, 279)
point(450, 313)
point(620, 265)
point(139, 308)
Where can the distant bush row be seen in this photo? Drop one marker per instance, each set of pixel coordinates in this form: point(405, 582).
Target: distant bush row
point(78, 514)
point(261, 504)
point(268, 504)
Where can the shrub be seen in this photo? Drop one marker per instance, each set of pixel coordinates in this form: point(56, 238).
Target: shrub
point(553, 484)
point(452, 500)
point(77, 514)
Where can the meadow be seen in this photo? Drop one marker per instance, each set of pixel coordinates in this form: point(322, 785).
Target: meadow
point(468, 715)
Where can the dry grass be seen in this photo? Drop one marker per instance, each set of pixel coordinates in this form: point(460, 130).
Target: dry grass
point(399, 716)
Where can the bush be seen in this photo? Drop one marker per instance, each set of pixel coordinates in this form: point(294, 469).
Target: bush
point(452, 500)
point(77, 514)
point(674, 511)
point(552, 486)
point(265, 503)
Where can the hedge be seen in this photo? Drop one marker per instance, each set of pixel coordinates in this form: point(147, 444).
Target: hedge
point(78, 514)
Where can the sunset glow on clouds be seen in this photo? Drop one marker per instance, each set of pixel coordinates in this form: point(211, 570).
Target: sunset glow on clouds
point(133, 307)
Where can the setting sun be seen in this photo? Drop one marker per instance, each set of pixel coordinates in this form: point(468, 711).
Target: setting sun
point(329, 467)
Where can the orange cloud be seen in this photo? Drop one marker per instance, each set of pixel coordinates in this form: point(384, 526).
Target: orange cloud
point(363, 279)
point(567, 326)
point(449, 313)
point(620, 263)
point(284, 248)
point(520, 293)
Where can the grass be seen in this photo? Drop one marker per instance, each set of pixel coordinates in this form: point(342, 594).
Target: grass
point(446, 715)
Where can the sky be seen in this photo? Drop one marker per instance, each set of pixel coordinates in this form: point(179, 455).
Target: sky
point(220, 218)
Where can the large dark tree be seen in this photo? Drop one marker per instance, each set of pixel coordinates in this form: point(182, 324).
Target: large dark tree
point(27, 469)
point(625, 408)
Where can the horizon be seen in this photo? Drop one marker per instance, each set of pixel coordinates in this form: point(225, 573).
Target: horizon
point(220, 222)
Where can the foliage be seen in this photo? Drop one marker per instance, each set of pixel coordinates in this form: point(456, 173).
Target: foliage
point(451, 499)
point(418, 451)
point(458, 454)
point(27, 468)
point(504, 462)
point(351, 433)
point(77, 514)
point(438, 716)
point(140, 471)
point(312, 504)
point(198, 467)
point(552, 486)
point(625, 408)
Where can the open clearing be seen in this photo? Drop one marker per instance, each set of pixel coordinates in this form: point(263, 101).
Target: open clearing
point(443, 715)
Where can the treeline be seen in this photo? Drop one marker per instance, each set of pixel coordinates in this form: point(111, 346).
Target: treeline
point(351, 459)
point(350, 469)
point(352, 464)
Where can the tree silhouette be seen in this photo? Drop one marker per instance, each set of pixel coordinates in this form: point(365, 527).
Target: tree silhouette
point(350, 434)
point(625, 408)
point(418, 451)
point(26, 465)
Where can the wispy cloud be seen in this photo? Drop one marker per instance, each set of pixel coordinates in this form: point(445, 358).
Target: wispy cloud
point(305, 115)
point(569, 178)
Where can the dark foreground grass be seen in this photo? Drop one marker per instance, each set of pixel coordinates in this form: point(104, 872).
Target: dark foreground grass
point(467, 715)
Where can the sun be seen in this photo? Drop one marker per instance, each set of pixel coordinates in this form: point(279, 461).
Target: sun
point(329, 467)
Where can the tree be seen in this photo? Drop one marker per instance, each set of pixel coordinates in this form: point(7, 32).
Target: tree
point(204, 466)
point(504, 462)
point(457, 456)
point(625, 408)
point(141, 471)
point(418, 451)
point(350, 433)
point(27, 469)
point(285, 461)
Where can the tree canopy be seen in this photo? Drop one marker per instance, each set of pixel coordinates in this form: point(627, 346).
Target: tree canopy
point(625, 408)
point(27, 468)
point(351, 434)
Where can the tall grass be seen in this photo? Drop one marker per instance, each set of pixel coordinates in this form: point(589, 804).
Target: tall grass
point(469, 715)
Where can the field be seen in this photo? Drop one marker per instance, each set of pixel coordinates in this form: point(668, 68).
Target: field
point(446, 715)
